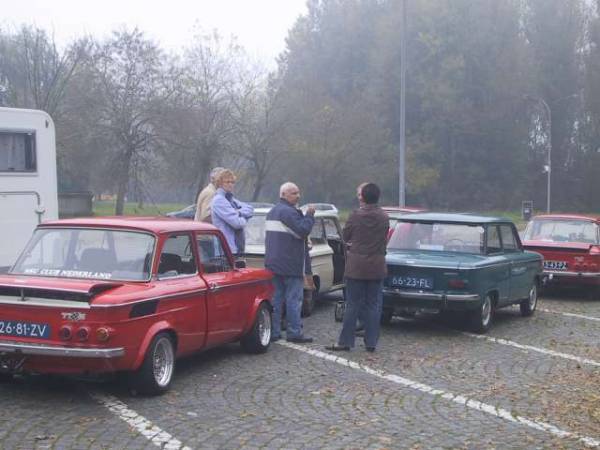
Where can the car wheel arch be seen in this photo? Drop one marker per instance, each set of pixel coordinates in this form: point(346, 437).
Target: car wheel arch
point(158, 327)
point(258, 300)
point(494, 295)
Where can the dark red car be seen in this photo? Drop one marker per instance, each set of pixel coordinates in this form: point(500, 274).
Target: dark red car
point(570, 245)
point(100, 295)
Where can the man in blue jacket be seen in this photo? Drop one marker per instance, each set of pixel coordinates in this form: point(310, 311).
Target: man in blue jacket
point(285, 246)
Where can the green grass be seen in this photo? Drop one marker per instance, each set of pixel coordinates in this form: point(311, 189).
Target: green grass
point(107, 208)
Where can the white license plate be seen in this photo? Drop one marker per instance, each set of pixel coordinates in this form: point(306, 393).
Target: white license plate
point(24, 329)
point(411, 282)
point(555, 265)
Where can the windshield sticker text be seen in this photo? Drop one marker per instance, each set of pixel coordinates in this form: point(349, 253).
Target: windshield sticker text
point(69, 273)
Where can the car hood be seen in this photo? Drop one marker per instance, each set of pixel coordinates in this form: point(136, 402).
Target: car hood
point(444, 260)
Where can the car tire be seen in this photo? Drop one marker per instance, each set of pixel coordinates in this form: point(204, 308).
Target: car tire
point(257, 340)
point(156, 372)
point(338, 312)
point(386, 316)
point(308, 302)
point(481, 318)
point(528, 305)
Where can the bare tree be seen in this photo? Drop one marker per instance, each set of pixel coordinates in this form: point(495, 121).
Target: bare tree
point(196, 124)
point(34, 72)
point(130, 72)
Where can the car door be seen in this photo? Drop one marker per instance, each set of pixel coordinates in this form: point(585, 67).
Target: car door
point(520, 273)
point(321, 256)
point(229, 295)
point(498, 268)
point(333, 234)
point(183, 288)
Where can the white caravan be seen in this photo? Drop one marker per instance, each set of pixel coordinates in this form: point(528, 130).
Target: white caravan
point(28, 186)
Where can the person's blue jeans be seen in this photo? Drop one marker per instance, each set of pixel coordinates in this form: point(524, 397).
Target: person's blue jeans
point(363, 298)
point(291, 291)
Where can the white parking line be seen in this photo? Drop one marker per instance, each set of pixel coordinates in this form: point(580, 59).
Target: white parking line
point(545, 351)
point(459, 399)
point(154, 434)
point(578, 316)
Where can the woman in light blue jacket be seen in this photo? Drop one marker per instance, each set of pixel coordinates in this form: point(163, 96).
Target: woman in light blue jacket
point(229, 214)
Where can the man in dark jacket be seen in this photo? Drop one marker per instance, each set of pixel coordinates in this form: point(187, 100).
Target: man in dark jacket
point(285, 246)
point(365, 234)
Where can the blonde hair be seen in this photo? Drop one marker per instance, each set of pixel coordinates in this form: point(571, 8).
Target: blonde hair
point(224, 175)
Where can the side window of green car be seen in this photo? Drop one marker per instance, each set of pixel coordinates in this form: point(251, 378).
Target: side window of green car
point(493, 240)
point(509, 242)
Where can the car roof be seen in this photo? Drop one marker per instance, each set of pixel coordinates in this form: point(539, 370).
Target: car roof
point(467, 218)
point(402, 209)
point(318, 213)
point(139, 223)
point(568, 217)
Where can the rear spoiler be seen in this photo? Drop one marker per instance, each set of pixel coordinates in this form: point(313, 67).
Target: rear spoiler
point(23, 292)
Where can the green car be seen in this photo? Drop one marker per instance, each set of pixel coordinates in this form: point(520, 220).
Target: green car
point(463, 263)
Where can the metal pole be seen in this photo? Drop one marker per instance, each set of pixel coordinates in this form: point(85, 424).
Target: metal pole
point(549, 162)
point(402, 179)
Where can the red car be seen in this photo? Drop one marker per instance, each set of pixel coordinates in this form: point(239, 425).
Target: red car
point(570, 245)
point(100, 295)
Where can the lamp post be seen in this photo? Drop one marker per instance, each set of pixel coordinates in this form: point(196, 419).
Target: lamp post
point(548, 166)
point(402, 144)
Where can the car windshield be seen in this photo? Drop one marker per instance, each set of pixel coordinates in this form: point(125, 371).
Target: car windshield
point(562, 230)
point(255, 230)
point(453, 237)
point(87, 253)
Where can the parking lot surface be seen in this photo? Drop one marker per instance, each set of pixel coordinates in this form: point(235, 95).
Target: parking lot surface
point(529, 383)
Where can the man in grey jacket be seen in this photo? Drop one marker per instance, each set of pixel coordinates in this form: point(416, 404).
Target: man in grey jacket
point(365, 233)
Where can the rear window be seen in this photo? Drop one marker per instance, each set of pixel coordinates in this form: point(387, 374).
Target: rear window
point(583, 231)
point(87, 253)
point(450, 237)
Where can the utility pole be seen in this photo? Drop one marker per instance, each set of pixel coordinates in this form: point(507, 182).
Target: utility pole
point(402, 150)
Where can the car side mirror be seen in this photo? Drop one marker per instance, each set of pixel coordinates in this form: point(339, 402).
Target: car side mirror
point(239, 264)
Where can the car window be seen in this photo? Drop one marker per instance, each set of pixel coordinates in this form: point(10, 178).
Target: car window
point(562, 230)
point(255, 230)
point(317, 234)
point(509, 240)
point(449, 237)
point(213, 256)
point(177, 257)
point(88, 253)
point(331, 230)
point(493, 240)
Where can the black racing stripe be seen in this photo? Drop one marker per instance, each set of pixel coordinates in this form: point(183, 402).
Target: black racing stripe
point(143, 309)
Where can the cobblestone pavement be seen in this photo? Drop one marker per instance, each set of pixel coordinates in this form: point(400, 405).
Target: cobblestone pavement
point(530, 383)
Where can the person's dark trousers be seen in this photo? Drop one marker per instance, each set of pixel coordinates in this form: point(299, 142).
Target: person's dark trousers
point(364, 298)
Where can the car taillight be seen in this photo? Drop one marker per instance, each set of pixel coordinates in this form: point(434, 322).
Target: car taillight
point(595, 250)
point(83, 334)
point(65, 333)
point(456, 283)
point(102, 334)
